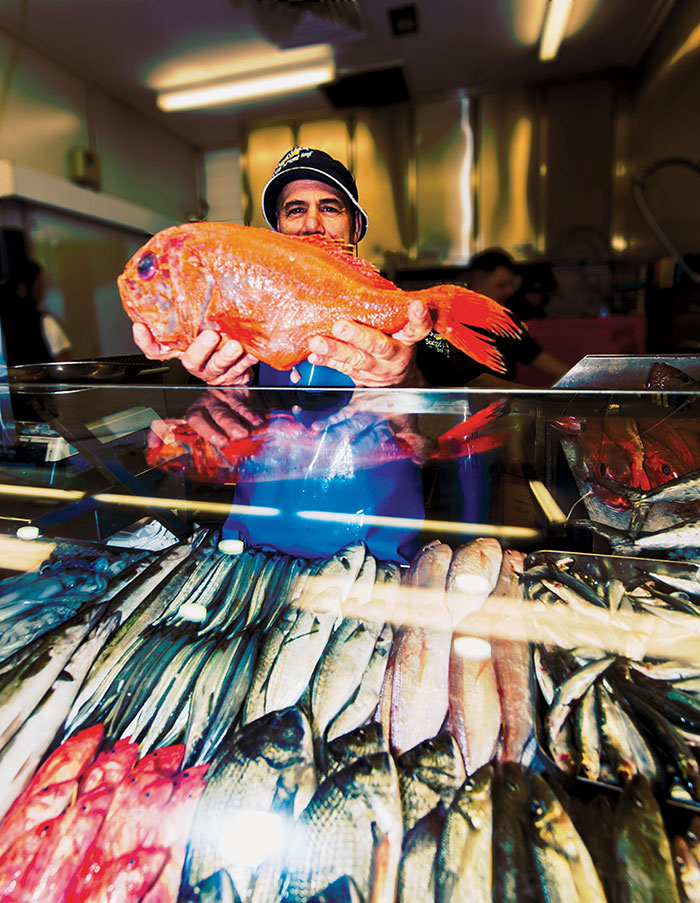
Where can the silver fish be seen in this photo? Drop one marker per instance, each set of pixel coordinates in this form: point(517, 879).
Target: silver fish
point(352, 811)
point(565, 867)
point(366, 698)
point(465, 858)
point(418, 858)
point(20, 757)
point(250, 798)
point(430, 773)
point(363, 741)
point(643, 853)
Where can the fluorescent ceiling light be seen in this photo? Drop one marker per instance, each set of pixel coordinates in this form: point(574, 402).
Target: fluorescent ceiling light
point(253, 85)
point(555, 21)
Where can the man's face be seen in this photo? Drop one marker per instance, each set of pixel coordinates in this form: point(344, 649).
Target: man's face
point(499, 284)
point(306, 207)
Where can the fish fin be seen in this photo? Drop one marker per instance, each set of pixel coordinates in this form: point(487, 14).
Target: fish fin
point(468, 320)
point(346, 254)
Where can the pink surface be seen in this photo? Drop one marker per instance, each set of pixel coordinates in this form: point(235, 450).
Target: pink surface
point(571, 339)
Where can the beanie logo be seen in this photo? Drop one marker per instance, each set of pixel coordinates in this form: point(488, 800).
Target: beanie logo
point(292, 156)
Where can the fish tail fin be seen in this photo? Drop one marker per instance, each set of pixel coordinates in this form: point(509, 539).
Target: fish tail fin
point(469, 321)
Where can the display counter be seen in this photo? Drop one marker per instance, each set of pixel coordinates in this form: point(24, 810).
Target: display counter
point(349, 645)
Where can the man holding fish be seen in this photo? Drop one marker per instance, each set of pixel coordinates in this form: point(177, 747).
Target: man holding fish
point(310, 193)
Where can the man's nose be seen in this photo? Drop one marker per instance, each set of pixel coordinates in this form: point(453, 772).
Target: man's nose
point(313, 224)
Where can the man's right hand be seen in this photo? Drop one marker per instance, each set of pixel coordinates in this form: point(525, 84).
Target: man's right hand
point(229, 365)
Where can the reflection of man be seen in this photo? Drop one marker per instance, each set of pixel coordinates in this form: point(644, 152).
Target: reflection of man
point(310, 193)
point(332, 453)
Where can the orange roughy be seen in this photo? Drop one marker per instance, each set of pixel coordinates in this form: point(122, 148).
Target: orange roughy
point(272, 292)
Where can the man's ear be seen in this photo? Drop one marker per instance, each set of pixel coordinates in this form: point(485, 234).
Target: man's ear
point(358, 228)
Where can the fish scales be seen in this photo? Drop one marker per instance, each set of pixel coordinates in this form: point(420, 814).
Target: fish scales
point(430, 773)
point(643, 853)
point(260, 770)
point(420, 674)
point(418, 858)
point(465, 857)
point(272, 292)
point(336, 835)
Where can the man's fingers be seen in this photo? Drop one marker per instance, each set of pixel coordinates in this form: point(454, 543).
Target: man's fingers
point(418, 326)
point(145, 341)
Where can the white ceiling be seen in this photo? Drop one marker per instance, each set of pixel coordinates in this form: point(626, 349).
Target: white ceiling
point(130, 47)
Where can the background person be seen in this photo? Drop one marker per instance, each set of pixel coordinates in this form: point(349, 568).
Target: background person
point(492, 273)
point(311, 193)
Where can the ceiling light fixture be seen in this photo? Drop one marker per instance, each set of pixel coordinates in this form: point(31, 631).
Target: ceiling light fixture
point(556, 18)
point(249, 86)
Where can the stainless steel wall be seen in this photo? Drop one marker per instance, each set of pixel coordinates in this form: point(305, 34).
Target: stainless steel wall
point(525, 170)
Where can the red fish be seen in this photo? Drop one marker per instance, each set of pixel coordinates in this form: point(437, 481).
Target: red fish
point(174, 830)
point(52, 786)
point(127, 879)
point(68, 761)
point(59, 856)
point(166, 760)
point(17, 860)
point(598, 455)
point(43, 806)
point(131, 822)
point(272, 292)
point(111, 767)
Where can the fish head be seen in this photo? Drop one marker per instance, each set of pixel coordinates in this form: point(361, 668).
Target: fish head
point(168, 287)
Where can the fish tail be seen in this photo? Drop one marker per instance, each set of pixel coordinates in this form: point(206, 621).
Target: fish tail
point(469, 321)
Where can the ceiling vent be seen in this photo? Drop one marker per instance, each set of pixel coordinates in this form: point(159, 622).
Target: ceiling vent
point(297, 23)
point(376, 88)
point(403, 20)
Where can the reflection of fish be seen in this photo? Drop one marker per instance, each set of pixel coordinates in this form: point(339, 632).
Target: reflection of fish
point(627, 458)
point(272, 292)
point(283, 448)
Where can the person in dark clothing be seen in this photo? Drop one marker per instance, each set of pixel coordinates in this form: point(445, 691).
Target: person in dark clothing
point(20, 315)
point(492, 273)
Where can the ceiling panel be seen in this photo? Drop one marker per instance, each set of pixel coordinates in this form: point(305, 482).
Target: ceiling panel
point(129, 47)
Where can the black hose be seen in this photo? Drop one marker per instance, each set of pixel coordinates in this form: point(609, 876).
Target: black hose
point(639, 184)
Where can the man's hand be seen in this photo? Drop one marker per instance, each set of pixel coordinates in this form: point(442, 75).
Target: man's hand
point(230, 365)
point(370, 357)
point(219, 416)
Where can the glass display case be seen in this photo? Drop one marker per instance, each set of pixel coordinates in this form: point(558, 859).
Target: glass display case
point(349, 644)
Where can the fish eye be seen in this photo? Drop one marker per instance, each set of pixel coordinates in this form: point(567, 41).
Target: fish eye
point(666, 470)
point(603, 469)
point(147, 267)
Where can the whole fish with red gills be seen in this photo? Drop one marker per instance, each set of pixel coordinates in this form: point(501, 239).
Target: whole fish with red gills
point(272, 292)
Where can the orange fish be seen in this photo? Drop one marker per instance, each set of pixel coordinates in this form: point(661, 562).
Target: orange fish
point(272, 292)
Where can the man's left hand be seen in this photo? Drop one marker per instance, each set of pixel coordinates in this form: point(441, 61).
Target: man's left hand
point(370, 357)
